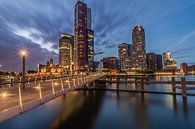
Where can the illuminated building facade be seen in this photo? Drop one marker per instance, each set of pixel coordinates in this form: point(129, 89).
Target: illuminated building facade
point(124, 53)
point(66, 51)
point(159, 62)
point(82, 27)
point(168, 62)
point(138, 48)
point(151, 60)
point(111, 64)
point(90, 49)
point(154, 61)
point(183, 68)
point(49, 68)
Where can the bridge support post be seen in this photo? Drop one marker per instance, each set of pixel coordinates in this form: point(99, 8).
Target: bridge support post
point(183, 82)
point(173, 86)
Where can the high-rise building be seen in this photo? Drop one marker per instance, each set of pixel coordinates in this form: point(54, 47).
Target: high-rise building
point(168, 62)
point(151, 60)
point(111, 63)
point(82, 25)
point(66, 51)
point(124, 53)
point(183, 68)
point(159, 62)
point(154, 61)
point(90, 49)
point(138, 48)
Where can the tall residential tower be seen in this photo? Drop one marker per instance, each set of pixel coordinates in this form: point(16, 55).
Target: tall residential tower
point(84, 37)
point(66, 51)
point(138, 48)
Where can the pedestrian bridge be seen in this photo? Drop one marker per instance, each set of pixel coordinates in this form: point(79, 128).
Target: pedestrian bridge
point(15, 100)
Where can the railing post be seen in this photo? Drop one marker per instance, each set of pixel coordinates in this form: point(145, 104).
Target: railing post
point(40, 92)
point(53, 89)
point(78, 81)
point(183, 82)
point(20, 96)
point(173, 86)
point(62, 84)
point(74, 83)
point(35, 80)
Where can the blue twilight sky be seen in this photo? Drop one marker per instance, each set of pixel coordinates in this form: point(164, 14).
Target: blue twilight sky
point(37, 24)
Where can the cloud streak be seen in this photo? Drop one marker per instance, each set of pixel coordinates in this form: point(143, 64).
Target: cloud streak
point(38, 24)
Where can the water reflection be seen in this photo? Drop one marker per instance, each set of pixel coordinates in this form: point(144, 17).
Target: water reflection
point(90, 109)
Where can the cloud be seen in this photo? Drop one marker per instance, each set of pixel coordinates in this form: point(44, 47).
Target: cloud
point(38, 24)
point(28, 34)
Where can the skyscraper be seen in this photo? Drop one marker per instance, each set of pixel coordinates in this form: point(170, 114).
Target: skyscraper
point(124, 53)
point(82, 27)
point(138, 48)
point(151, 59)
point(66, 51)
point(90, 49)
point(159, 62)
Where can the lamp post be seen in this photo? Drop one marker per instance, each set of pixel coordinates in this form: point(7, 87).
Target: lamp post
point(23, 55)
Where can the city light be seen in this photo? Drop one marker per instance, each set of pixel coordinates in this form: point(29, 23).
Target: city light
point(23, 52)
point(37, 87)
point(4, 94)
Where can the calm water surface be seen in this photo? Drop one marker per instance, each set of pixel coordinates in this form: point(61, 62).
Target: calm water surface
point(109, 110)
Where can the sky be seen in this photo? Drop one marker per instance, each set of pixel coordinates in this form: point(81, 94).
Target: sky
point(36, 25)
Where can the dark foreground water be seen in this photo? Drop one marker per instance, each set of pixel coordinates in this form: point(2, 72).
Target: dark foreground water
point(109, 110)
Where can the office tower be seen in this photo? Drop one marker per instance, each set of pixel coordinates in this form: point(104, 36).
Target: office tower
point(66, 51)
point(82, 30)
point(151, 60)
point(111, 63)
point(159, 62)
point(138, 48)
point(183, 68)
point(90, 49)
point(124, 52)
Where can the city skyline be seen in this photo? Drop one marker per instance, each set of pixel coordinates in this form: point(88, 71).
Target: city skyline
point(38, 28)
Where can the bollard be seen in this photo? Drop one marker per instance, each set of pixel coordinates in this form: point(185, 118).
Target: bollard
point(183, 82)
point(40, 92)
point(53, 89)
point(20, 97)
point(173, 86)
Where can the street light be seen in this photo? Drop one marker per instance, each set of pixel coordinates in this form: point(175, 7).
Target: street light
point(23, 54)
